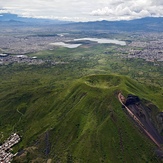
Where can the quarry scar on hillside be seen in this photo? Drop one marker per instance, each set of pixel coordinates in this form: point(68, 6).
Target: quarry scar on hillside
point(138, 114)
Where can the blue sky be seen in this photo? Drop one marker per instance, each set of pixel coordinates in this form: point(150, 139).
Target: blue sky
point(84, 10)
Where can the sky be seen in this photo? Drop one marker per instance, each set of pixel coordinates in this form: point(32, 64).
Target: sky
point(84, 10)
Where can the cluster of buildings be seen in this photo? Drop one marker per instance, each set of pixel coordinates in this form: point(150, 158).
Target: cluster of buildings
point(5, 155)
point(148, 46)
point(28, 44)
point(152, 51)
point(6, 59)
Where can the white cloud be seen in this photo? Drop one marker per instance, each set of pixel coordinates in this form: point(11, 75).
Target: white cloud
point(3, 11)
point(84, 10)
point(126, 10)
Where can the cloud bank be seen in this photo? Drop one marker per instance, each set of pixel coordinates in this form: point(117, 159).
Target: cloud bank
point(84, 10)
point(127, 10)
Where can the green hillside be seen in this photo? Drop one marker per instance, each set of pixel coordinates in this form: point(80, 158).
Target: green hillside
point(93, 126)
point(79, 121)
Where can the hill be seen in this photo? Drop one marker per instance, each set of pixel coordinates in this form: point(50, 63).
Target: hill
point(148, 24)
point(11, 19)
point(80, 122)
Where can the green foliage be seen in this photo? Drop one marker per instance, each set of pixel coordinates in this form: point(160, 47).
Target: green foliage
point(70, 112)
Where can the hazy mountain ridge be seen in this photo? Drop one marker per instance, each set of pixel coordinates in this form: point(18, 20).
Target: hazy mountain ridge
point(143, 24)
point(8, 18)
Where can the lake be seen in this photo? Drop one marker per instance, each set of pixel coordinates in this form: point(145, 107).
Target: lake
point(66, 44)
point(98, 40)
point(103, 41)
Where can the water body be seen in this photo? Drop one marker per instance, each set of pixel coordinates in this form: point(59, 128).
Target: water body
point(66, 44)
point(98, 40)
point(103, 41)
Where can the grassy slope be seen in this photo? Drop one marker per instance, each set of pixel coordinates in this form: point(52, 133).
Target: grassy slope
point(94, 128)
point(84, 121)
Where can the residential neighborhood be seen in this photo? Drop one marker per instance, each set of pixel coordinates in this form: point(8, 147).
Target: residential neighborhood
point(150, 51)
point(5, 155)
point(6, 59)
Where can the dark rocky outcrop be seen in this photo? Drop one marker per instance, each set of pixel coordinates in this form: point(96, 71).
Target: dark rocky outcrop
point(132, 99)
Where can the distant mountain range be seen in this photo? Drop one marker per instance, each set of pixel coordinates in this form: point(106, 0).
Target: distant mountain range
point(13, 18)
point(144, 24)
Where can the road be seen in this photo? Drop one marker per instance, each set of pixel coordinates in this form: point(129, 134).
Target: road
point(139, 115)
